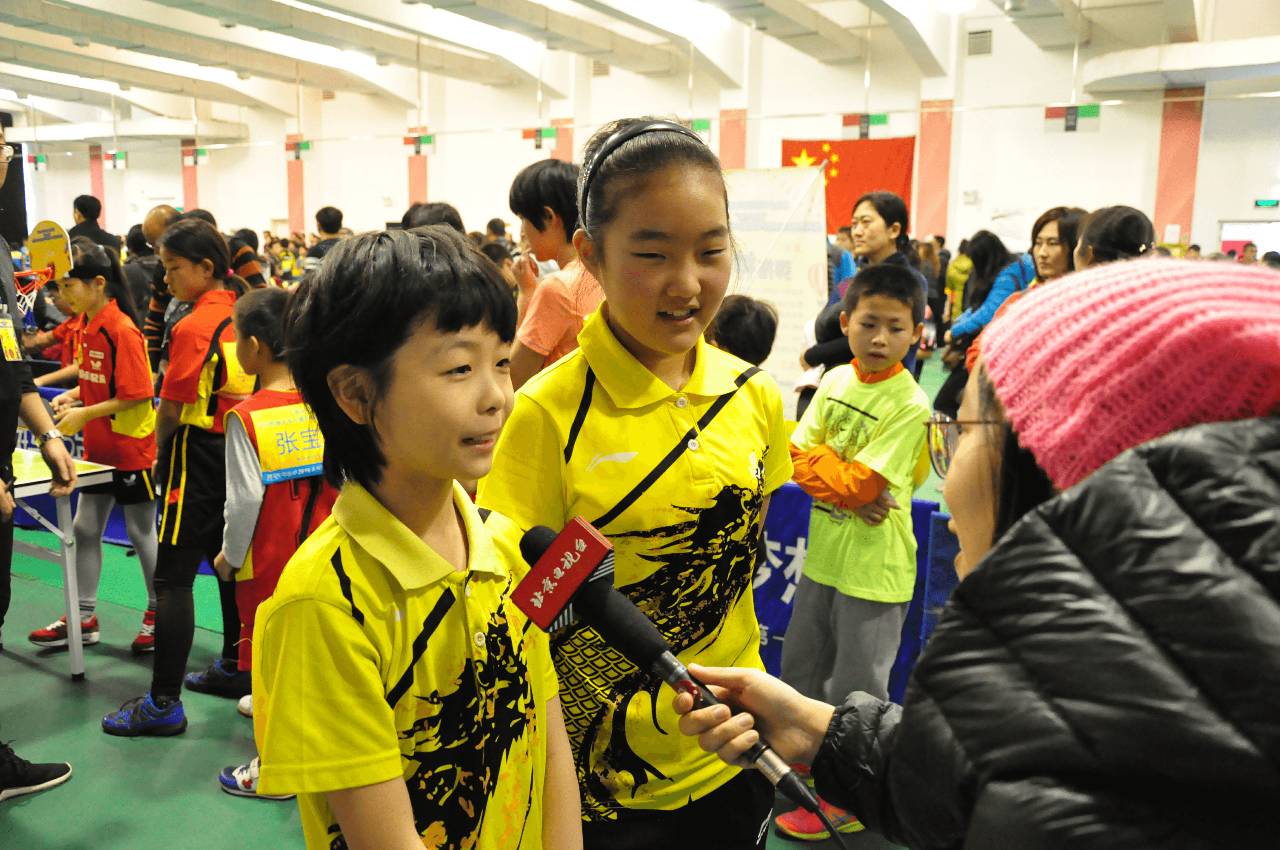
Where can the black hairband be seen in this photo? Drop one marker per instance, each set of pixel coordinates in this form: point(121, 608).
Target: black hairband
point(616, 141)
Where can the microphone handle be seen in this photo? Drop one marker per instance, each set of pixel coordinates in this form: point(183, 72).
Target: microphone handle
point(761, 755)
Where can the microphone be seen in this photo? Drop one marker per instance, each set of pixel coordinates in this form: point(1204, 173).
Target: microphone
point(572, 578)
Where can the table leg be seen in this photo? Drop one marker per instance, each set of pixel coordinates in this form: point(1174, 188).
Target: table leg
point(71, 588)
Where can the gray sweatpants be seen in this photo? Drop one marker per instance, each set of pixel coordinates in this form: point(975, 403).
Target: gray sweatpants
point(838, 644)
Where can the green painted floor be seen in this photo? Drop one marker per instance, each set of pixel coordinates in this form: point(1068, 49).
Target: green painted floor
point(149, 793)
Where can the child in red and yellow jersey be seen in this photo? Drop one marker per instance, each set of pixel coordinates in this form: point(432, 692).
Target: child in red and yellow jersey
point(203, 383)
point(276, 492)
point(112, 405)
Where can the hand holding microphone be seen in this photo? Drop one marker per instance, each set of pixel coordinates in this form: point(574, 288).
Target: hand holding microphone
point(572, 578)
point(793, 724)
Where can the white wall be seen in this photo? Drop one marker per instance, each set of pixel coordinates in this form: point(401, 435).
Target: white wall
point(1239, 163)
point(1004, 156)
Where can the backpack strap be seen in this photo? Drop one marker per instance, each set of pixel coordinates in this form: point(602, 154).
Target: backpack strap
point(672, 456)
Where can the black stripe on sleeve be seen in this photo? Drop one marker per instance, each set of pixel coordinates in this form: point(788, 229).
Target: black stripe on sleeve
point(344, 582)
point(429, 625)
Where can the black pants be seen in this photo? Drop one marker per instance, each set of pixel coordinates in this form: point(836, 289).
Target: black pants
point(948, 398)
point(735, 816)
point(176, 568)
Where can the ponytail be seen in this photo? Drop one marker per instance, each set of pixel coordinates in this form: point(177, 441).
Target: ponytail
point(90, 260)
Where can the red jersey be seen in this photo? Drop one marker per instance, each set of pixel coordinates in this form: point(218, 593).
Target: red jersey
point(68, 335)
point(284, 433)
point(113, 364)
point(204, 375)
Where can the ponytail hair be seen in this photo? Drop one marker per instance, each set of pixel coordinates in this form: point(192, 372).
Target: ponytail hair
point(1118, 233)
point(894, 211)
point(90, 260)
point(195, 240)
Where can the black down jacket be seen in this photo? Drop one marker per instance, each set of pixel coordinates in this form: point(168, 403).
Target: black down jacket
point(1108, 678)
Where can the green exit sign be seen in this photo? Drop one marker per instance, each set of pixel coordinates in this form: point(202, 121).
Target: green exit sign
point(1267, 202)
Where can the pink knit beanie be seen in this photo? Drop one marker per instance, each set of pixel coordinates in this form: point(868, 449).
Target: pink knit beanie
point(1110, 358)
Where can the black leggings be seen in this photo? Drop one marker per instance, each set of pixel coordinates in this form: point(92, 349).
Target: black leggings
point(176, 568)
point(6, 564)
point(948, 398)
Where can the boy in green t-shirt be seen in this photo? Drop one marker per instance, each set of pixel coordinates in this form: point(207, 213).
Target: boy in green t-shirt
point(856, 451)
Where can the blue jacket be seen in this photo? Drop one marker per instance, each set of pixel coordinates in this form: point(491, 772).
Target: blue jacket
point(1012, 278)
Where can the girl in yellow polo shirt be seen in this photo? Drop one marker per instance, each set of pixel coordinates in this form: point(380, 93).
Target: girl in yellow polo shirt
point(671, 448)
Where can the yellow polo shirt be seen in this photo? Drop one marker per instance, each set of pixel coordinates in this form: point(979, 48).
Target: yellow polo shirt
point(376, 659)
point(588, 437)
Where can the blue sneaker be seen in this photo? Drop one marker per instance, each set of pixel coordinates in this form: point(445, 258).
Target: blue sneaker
point(141, 716)
point(220, 681)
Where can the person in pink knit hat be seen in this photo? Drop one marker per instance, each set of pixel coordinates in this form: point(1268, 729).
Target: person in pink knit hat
point(1107, 673)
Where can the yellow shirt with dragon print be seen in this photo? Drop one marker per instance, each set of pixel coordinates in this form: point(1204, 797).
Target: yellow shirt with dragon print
point(376, 659)
point(676, 480)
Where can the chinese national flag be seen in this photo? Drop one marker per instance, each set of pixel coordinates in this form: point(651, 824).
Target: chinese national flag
point(855, 167)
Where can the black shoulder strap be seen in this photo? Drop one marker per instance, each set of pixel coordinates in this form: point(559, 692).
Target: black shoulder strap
point(221, 369)
point(672, 456)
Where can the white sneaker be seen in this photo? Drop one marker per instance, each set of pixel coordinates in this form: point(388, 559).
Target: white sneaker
point(242, 781)
point(245, 705)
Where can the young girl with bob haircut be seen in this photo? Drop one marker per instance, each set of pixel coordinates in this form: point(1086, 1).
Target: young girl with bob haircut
point(670, 447)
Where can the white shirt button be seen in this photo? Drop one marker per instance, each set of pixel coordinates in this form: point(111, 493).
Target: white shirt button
point(694, 445)
point(480, 640)
point(682, 402)
point(467, 590)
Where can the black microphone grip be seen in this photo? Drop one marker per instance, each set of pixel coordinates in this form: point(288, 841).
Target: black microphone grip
point(761, 756)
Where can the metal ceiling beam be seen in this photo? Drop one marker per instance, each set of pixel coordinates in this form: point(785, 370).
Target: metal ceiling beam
point(151, 28)
point(560, 31)
point(97, 92)
point(799, 25)
point(509, 50)
point(15, 48)
point(140, 128)
point(324, 29)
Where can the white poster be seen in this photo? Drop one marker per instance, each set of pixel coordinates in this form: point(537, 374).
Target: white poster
point(779, 216)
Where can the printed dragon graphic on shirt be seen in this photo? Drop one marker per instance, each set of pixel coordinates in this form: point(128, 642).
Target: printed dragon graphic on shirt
point(705, 565)
point(461, 739)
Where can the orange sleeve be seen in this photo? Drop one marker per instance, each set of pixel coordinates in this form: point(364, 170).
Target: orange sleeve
point(846, 484)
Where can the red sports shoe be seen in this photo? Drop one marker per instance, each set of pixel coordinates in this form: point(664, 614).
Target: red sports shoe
point(55, 634)
point(803, 825)
point(146, 639)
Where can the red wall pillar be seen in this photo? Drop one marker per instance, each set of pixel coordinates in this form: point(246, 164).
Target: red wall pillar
point(95, 179)
point(190, 184)
point(1179, 158)
point(417, 171)
point(563, 150)
point(733, 138)
point(294, 172)
point(933, 177)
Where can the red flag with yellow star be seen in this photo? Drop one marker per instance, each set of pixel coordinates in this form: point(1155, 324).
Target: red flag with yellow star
point(853, 168)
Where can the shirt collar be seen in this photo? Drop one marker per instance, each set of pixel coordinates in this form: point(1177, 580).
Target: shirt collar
point(876, 377)
point(100, 319)
point(630, 385)
point(402, 553)
point(215, 296)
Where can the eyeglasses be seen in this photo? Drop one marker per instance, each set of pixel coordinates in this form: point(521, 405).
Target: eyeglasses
point(6, 153)
point(944, 436)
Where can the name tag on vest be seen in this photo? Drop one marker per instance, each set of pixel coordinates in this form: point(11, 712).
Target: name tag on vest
point(289, 443)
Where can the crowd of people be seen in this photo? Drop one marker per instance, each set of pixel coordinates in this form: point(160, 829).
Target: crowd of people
point(1108, 434)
